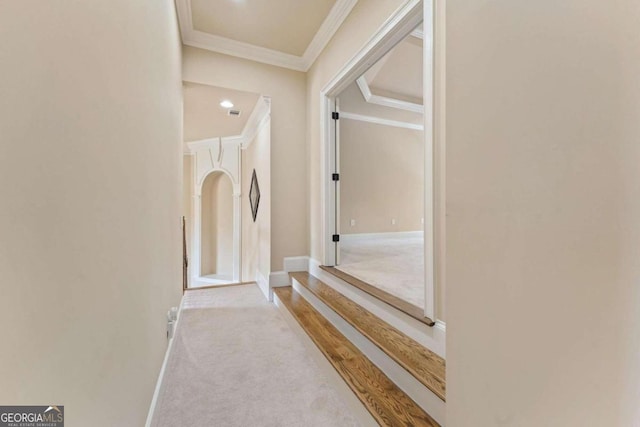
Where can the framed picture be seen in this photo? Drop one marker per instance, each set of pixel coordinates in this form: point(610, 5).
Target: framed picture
point(254, 195)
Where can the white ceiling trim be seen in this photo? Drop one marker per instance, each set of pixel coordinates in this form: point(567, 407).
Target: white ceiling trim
point(200, 39)
point(386, 101)
point(418, 33)
point(380, 121)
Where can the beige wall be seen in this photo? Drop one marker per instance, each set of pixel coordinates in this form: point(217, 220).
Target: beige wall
point(256, 236)
point(187, 205)
point(543, 208)
point(90, 176)
point(289, 221)
point(217, 225)
point(365, 18)
point(381, 178)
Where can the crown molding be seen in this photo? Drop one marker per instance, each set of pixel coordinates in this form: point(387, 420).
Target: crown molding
point(259, 117)
point(418, 33)
point(380, 121)
point(386, 101)
point(214, 43)
point(243, 50)
point(338, 13)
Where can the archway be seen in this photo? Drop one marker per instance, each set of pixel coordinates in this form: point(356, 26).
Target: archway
point(216, 231)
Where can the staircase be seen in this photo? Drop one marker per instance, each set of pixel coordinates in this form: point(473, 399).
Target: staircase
point(399, 381)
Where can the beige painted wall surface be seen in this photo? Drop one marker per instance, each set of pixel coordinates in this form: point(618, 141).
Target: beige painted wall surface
point(208, 245)
point(224, 226)
point(217, 225)
point(90, 176)
point(543, 208)
point(256, 236)
point(187, 204)
point(381, 178)
point(365, 18)
point(289, 221)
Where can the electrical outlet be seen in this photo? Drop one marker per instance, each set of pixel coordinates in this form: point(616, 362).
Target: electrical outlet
point(422, 221)
point(353, 222)
point(393, 221)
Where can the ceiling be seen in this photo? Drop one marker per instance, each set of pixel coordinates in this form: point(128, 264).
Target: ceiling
point(286, 33)
point(398, 74)
point(205, 118)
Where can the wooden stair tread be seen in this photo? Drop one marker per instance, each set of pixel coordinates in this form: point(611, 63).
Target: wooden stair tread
point(426, 366)
point(389, 405)
point(395, 302)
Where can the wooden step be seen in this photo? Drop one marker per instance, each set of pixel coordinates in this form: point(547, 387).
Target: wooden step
point(426, 366)
point(395, 302)
point(389, 405)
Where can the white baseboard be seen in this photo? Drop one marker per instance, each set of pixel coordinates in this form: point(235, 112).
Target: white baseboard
point(434, 338)
point(374, 236)
point(278, 279)
point(263, 284)
point(424, 397)
point(297, 263)
point(156, 392)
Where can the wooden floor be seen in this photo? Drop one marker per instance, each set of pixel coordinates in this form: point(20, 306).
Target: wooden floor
point(389, 405)
point(407, 308)
point(426, 366)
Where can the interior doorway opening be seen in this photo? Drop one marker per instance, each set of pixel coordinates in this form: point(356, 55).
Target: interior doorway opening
point(405, 23)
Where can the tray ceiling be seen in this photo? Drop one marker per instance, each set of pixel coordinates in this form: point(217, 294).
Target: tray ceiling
point(286, 33)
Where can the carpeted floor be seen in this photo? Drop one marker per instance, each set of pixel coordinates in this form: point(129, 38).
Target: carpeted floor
point(395, 265)
point(236, 362)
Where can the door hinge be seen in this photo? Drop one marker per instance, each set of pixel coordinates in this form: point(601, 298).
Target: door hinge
point(336, 237)
point(335, 177)
point(335, 115)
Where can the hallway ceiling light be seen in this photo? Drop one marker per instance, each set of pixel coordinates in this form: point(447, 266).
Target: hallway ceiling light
point(226, 104)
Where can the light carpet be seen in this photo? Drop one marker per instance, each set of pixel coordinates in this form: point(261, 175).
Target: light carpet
point(236, 362)
point(393, 264)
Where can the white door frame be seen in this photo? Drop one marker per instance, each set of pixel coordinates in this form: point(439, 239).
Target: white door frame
point(395, 29)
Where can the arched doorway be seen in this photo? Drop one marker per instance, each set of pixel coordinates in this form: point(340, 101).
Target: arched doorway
point(216, 231)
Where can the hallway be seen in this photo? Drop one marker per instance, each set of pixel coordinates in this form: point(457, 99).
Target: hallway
point(235, 361)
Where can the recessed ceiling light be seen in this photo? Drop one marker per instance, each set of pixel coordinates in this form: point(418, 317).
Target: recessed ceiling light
point(226, 104)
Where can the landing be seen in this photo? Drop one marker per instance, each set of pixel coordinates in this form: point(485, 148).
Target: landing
point(236, 362)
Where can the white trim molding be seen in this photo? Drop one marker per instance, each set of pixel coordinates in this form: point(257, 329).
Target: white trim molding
point(278, 279)
point(297, 263)
point(380, 121)
point(259, 117)
point(203, 40)
point(355, 237)
point(263, 284)
point(163, 368)
point(385, 101)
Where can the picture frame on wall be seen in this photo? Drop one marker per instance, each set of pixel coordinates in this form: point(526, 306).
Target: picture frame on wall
point(254, 195)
